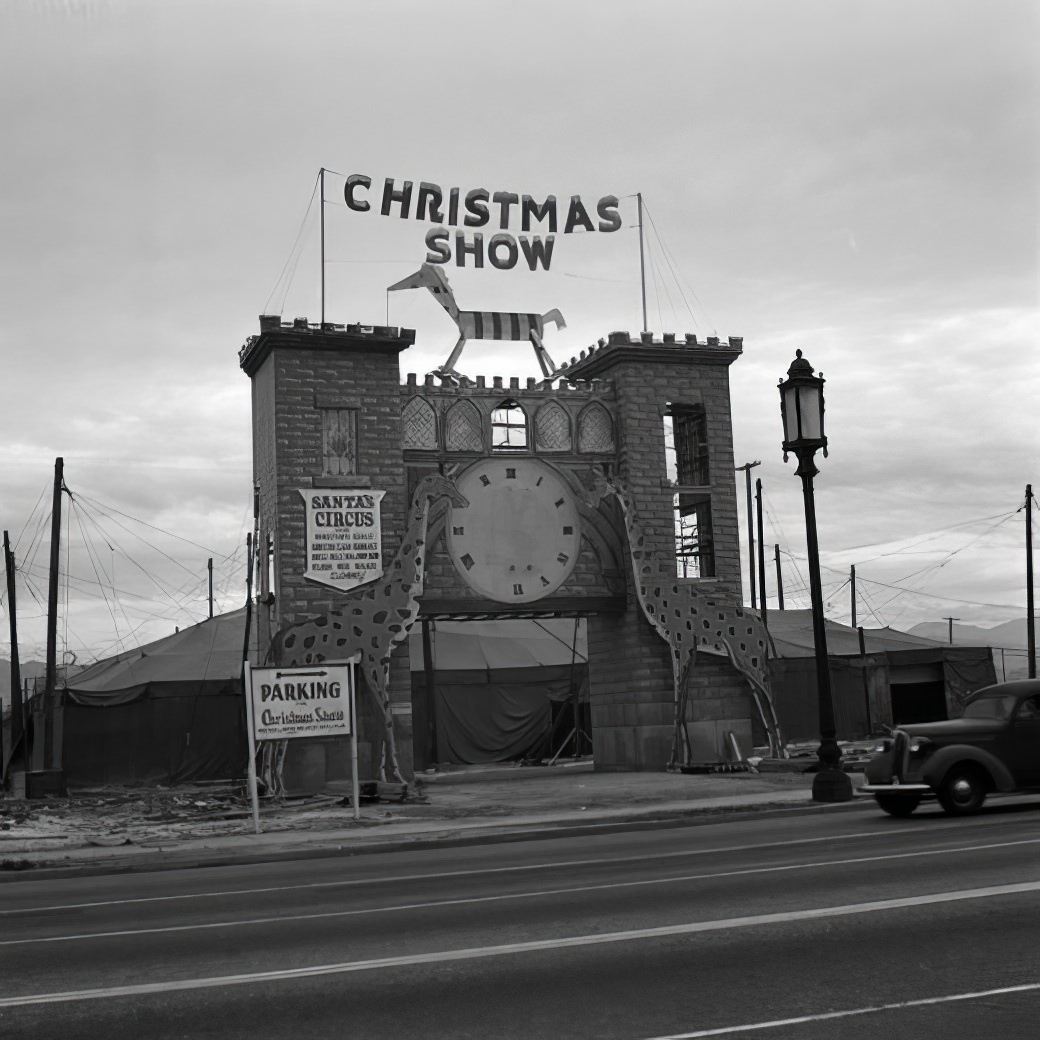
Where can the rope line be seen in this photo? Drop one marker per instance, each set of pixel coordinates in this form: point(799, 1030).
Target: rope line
point(292, 252)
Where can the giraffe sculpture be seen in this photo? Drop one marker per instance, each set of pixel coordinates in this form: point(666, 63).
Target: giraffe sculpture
point(374, 618)
point(512, 325)
point(689, 619)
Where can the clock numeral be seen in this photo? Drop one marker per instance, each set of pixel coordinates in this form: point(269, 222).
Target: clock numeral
point(458, 530)
point(485, 479)
point(467, 561)
point(568, 529)
point(510, 473)
point(562, 557)
point(538, 482)
point(559, 502)
point(544, 580)
point(518, 590)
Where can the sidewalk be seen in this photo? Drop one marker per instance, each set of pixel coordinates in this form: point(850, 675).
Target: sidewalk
point(147, 829)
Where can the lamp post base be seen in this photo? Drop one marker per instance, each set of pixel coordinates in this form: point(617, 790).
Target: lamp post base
point(831, 785)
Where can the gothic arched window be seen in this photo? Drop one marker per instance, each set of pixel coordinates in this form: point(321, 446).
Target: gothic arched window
point(419, 422)
point(508, 427)
point(552, 428)
point(462, 428)
point(595, 429)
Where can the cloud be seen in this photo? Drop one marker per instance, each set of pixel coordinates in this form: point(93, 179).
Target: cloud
point(856, 180)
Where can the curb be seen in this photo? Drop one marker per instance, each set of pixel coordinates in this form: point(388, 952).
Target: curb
point(448, 837)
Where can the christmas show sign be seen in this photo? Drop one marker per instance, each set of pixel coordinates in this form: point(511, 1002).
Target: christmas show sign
point(499, 213)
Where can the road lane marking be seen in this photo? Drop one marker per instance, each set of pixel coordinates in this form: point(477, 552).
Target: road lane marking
point(497, 897)
point(828, 1015)
point(509, 949)
point(483, 872)
point(440, 875)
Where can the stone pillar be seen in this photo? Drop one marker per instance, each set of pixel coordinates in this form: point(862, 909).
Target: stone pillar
point(305, 377)
point(629, 663)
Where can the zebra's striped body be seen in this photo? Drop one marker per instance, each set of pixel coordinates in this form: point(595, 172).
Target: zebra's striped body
point(498, 325)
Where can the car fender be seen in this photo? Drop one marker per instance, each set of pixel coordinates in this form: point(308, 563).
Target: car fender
point(936, 767)
point(879, 769)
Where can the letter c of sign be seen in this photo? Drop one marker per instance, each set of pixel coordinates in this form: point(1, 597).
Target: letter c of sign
point(348, 192)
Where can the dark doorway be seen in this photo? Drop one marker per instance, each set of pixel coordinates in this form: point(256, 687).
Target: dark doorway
point(918, 702)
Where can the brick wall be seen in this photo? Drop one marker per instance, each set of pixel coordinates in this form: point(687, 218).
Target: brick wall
point(630, 665)
point(296, 371)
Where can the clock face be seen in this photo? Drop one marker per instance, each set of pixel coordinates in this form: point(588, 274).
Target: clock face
point(519, 537)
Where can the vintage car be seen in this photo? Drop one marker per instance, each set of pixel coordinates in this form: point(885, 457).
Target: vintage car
point(993, 747)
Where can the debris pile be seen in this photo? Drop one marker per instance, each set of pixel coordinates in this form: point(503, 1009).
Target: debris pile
point(157, 817)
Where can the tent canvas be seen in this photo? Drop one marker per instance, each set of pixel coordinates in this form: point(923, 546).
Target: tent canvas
point(171, 711)
point(503, 690)
point(900, 678)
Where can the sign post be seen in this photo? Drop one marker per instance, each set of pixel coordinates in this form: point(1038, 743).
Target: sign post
point(254, 799)
point(314, 701)
point(355, 786)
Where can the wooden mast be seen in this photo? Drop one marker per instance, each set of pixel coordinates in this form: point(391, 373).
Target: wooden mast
point(46, 749)
point(16, 674)
point(642, 266)
point(1030, 617)
point(321, 204)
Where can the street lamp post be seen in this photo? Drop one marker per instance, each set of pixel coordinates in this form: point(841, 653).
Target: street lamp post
point(801, 407)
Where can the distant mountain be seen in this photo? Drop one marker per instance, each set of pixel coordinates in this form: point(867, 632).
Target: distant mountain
point(1009, 642)
point(1011, 634)
point(28, 669)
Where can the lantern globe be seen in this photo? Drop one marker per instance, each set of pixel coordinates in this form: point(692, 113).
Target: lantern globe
point(802, 408)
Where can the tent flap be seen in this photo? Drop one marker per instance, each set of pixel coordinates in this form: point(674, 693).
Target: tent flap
point(169, 712)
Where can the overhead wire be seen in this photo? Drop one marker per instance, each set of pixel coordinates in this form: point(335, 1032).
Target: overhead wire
point(954, 553)
point(675, 272)
point(92, 558)
point(134, 562)
point(32, 511)
point(42, 523)
point(935, 595)
point(293, 252)
point(102, 506)
point(864, 595)
point(92, 522)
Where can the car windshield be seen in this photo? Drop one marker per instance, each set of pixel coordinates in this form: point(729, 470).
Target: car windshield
point(995, 707)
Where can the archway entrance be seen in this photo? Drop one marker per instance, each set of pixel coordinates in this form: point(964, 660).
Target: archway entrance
point(506, 690)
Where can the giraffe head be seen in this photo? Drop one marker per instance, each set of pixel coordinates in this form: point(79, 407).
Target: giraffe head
point(439, 485)
point(596, 487)
point(604, 486)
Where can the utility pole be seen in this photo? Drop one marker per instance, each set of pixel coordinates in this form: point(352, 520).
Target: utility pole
point(852, 587)
point(1030, 618)
point(209, 566)
point(779, 582)
point(46, 750)
point(951, 620)
point(761, 551)
point(747, 467)
point(16, 675)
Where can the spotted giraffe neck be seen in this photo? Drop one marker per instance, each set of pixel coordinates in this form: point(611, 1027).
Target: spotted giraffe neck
point(408, 565)
point(646, 567)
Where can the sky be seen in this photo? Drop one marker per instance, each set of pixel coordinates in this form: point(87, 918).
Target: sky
point(853, 178)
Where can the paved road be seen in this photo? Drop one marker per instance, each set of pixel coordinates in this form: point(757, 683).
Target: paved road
point(803, 926)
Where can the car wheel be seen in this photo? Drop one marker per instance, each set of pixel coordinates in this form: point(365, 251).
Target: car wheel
point(897, 804)
point(962, 791)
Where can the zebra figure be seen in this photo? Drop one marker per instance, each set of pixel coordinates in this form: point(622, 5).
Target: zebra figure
point(482, 324)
